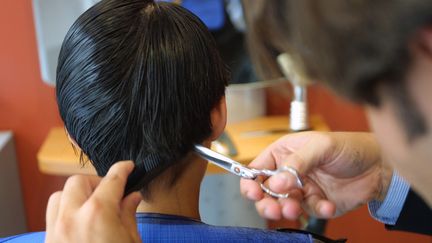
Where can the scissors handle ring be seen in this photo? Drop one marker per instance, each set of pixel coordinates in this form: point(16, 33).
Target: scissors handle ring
point(294, 173)
point(274, 172)
point(272, 193)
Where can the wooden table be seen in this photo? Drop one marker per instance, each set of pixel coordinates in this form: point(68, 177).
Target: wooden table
point(57, 157)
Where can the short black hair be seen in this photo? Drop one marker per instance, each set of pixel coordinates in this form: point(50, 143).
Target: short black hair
point(138, 78)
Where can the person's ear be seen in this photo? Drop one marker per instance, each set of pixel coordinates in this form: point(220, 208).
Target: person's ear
point(424, 38)
point(72, 140)
point(218, 119)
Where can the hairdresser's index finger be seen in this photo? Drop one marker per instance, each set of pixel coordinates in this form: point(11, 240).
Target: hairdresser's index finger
point(299, 151)
point(250, 188)
point(265, 160)
point(112, 186)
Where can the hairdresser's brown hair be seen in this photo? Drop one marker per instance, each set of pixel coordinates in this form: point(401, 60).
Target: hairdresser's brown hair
point(355, 47)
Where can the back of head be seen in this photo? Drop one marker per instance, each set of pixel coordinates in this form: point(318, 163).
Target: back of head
point(137, 78)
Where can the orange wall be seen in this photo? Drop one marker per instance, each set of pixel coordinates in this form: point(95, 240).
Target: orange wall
point(339, 114)
point(27, 106)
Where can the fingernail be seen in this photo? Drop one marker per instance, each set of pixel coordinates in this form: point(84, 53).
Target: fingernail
point(249, 195)
point(267, 213)
point(283, 178)
point(138, 197)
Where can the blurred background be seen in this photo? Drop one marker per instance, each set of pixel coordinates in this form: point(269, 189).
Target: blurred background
point(28, 109)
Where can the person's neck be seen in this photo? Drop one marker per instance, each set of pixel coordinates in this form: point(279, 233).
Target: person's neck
point(182, 198)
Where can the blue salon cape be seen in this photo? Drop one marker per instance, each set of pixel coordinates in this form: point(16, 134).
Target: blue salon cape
point(169, 228)
point(211, 12)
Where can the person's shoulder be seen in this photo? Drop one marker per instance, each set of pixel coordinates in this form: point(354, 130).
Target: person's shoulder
point(258, 235)
point(34, 237)
point(209, 233)
point(168, 228)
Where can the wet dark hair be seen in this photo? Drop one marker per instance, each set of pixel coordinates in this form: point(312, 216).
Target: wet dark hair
point(354, 47)
point(136, 79)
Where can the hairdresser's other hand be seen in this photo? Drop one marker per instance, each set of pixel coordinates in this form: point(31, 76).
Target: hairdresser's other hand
point(92, 209)
point(340, 172)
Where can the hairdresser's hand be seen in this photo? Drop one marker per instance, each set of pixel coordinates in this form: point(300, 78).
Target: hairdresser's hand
point(91, 209)
point(340, 171)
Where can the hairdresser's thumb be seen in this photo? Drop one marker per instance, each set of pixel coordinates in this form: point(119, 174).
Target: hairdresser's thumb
point(128, 210)
point(302, 161)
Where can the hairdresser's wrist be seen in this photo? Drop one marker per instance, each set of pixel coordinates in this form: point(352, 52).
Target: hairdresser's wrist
point(387, 211)
point(386, 175)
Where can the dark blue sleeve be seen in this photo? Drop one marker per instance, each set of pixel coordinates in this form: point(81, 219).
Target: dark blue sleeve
point(416, 216)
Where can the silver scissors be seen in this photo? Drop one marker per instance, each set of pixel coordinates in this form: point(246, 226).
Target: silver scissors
point(245, 172)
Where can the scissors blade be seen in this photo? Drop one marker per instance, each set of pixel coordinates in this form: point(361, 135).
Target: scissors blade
point(225, 162)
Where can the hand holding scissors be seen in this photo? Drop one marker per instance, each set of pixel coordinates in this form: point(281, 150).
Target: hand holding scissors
point(340, 171)
point(246, 172)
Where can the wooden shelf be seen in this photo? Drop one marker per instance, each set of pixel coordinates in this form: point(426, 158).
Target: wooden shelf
point(57, 157)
